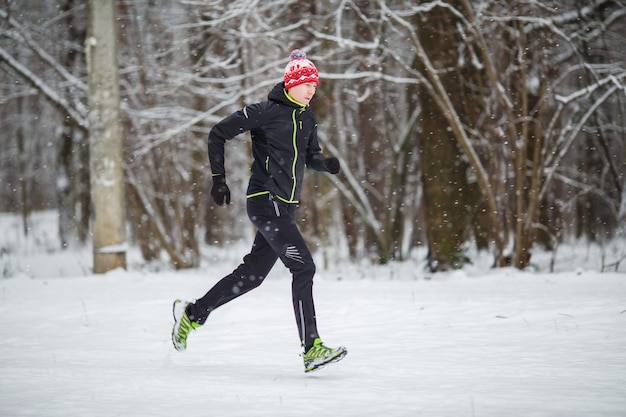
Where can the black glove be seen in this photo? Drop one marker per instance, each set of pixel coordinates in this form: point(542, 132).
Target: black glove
point(220, 191)
point(332, 165)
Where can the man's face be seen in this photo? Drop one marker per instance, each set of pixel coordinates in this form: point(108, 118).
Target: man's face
point(303, 93)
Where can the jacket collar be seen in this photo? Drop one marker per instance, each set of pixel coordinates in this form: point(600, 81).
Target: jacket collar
point(279, 94)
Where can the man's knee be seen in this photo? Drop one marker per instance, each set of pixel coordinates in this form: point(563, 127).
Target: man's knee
point(298, 261)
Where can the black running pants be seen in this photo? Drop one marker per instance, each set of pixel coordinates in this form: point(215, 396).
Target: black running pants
point(277, 237)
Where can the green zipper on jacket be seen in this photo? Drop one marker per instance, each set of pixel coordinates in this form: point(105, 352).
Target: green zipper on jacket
point(295, 154)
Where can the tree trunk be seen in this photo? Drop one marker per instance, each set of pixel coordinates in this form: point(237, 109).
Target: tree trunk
point(72, 180)
point(64, 186)
point(25, 200)
point(443, 179)
point(443, 168)
point(105, 139)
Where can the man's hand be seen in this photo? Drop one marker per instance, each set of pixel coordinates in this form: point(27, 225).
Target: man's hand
point(332, 165)
point(220, 191)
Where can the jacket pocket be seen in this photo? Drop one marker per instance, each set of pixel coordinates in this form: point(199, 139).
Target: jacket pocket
point(275, 204)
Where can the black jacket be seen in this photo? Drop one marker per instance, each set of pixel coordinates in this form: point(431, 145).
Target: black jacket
point(284, 141)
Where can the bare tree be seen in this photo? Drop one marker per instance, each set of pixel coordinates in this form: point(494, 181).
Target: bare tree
point(49, 94)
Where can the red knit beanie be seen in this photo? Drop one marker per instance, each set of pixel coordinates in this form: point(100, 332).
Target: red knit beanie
point(300, 70)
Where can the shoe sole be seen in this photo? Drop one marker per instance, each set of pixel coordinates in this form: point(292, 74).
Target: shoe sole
point(178, 347)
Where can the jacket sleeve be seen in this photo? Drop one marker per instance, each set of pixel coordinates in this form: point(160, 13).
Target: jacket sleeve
point(314, 156)
point(239, 122)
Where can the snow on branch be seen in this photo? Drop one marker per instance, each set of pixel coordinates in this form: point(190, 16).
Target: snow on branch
point(354, 193)
point(569, 16)
point(340, 40)
point(153, 140)
point(76, 115)
point(558, 157)
point(372, 75)
point(616, 79)
point(41, 52)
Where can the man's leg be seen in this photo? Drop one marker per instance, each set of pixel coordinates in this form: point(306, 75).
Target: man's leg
point(281, 232)
point(247, 276)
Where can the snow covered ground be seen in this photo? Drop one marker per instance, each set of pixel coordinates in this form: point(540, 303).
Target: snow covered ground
point(476, 342)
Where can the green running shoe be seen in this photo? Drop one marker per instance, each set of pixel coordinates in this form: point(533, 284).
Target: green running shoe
point(319, 356)
point(182, 325)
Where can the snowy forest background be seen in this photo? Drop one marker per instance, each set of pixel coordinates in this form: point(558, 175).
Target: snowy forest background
point(461, 125)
